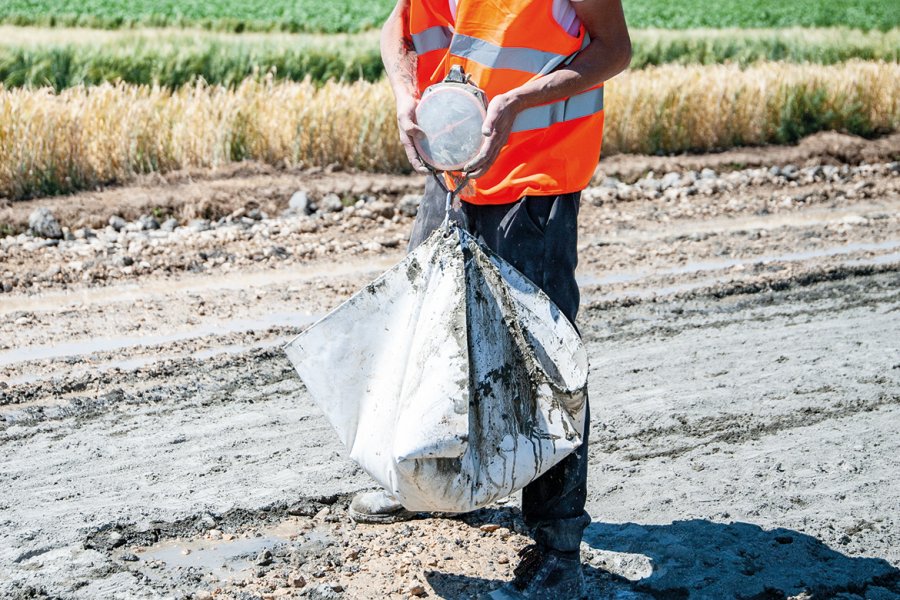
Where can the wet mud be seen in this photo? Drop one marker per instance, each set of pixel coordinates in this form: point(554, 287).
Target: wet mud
point(744, 342)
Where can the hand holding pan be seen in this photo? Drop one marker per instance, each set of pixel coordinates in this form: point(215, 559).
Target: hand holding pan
point(451, 115)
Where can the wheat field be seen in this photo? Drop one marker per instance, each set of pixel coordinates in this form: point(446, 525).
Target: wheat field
point(687, 108)
point(87, 136)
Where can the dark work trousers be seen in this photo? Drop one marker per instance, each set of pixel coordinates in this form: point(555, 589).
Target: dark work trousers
point(538, 236)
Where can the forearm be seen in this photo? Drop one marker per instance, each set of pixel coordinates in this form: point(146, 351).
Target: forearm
point(400, 66)
point(398, 54)
point(596, 63)
point(608, 54)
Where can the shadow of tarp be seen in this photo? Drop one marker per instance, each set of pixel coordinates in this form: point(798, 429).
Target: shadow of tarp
point(703, 560)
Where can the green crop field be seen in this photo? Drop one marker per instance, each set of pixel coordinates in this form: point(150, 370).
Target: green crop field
point(258, 15)
point(681, 14)
point(62, 58)
point(357, 15)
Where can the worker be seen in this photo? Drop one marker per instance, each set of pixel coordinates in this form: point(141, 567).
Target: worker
point(542, 65)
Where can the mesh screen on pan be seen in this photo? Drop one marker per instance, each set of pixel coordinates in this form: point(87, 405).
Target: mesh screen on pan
point(451, 119)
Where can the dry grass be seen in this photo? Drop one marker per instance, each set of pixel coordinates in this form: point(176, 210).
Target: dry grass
point(84, 136)
point(81, 137)
point(688, 108)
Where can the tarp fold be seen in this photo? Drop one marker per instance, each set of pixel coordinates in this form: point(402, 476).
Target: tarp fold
point(451, 379)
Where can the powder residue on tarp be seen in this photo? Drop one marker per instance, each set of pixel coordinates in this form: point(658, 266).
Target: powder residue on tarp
point(451, 379)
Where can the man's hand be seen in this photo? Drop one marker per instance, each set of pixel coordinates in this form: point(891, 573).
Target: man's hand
point(409, 130)
point(501, 113)
point(400, 59)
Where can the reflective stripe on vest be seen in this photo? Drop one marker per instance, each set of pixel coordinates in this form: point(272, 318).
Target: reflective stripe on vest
point(578, 106)
point(496, 57)
point(493, 56)
point(433, 38)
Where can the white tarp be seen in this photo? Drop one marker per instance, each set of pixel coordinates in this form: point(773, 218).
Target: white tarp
point(451, 379)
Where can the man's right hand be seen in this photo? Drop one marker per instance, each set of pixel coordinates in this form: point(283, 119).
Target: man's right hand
point(409, 130)
point(399, 57)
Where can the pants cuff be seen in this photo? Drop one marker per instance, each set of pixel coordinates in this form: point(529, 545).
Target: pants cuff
point(563, 535)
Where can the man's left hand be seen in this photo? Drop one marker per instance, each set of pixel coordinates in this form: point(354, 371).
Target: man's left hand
point(501, 112)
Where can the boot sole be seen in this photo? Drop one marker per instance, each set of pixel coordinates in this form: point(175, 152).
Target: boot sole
point(386, 519)
point(506, 594)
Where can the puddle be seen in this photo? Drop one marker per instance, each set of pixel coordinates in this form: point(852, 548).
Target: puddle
point(810, 217)
point(89, 346)
point(224, 559)
point(588, 279)
point(881, 259)
point(155, 289)
point(698, 284)
point(142, 361)
point(787, 257)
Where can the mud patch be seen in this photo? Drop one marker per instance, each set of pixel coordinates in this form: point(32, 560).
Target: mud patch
point(111, 536)
point(312, 549)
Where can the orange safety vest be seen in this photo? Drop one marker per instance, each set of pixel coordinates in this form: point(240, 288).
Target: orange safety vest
point(502, 44)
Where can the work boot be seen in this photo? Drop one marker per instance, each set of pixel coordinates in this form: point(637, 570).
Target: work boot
point(544, 574)
point(378, 507)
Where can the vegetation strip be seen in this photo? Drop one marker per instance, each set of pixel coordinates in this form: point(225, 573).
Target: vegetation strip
point(221, 15)
point(64, 58)
point(356, 15)
point(82, 137)
point(37, 57)
point(683, 14)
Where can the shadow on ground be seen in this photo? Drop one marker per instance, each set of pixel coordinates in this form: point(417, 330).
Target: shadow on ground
point(700, 559)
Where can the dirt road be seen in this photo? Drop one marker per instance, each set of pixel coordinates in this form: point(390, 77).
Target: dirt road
point(741, 318)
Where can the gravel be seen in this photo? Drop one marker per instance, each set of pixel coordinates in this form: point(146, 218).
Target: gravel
point(42, 223)
point(249, 235)
point(409, 204)
point(299, 203)
point(331, 203)
point(117, 223)
point(146, 223)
